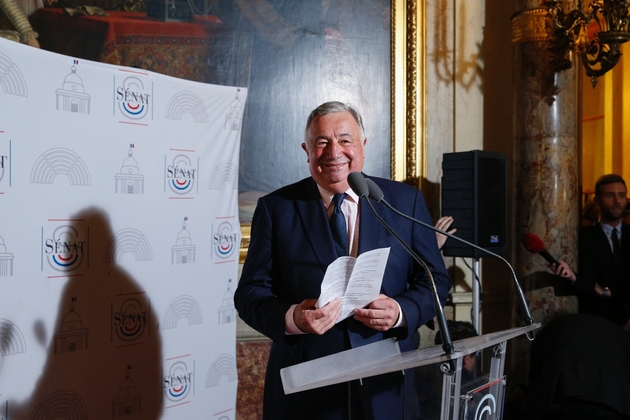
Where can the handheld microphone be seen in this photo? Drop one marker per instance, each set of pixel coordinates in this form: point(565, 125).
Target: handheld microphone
point(535, 245)
point(375, 193)
point(359, 185)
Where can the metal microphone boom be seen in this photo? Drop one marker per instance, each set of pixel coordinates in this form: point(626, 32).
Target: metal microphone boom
point(376, 194)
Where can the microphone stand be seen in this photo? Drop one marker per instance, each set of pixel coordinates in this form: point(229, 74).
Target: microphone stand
point(377, 195)
point(447, 343)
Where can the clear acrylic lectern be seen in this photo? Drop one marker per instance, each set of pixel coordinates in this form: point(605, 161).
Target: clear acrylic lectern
point(482, 398)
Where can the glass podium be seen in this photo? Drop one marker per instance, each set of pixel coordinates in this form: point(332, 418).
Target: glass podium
point(481, 398)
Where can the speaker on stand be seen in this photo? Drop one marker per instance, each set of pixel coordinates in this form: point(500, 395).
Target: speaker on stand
point(474, 193)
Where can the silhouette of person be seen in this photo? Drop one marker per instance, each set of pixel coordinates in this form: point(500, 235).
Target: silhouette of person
point(103, 358)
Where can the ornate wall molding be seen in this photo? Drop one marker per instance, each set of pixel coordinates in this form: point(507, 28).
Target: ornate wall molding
point(408, 153)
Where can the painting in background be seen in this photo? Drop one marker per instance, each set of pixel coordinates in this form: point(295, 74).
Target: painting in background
point(293, 56)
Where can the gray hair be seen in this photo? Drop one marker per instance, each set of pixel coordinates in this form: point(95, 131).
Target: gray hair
point(332, 107)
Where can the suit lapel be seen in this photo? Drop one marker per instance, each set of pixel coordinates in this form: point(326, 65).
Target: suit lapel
point(312, 213)
point(369, 226)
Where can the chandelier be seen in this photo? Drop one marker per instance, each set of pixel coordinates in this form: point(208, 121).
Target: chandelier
point(573, 30)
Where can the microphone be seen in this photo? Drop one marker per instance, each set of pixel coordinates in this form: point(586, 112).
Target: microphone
point(375, 193)
point(535, 245)
point(360, 186)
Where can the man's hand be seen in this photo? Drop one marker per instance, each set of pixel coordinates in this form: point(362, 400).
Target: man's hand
point(313, 320)
point(602, 291)
point(33, 42)
point(562, 269)
point(381, 314)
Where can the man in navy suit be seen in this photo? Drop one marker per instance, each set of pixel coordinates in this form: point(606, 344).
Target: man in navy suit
point(603, 277)
point(291, 247)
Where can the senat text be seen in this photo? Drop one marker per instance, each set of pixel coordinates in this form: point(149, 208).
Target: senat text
point(225, 239)
point(177, 380)
point(127, 95)
point(125, 318)
point(60, 247)
point(180, 173)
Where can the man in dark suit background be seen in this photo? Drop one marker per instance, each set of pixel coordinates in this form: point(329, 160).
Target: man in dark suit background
point(603, 279)
point(291, 247)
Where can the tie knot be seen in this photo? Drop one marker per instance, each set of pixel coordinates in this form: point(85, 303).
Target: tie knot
point(337, 200)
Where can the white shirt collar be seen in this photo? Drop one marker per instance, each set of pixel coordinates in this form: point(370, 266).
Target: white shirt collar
point(608, 228)
point(327, 196)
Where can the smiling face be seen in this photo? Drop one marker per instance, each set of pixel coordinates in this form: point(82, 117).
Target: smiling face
point(334, 147)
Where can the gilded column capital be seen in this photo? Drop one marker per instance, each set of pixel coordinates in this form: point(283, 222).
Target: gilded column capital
point(530, 25)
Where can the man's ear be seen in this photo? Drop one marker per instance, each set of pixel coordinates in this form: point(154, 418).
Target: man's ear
point(308, 159)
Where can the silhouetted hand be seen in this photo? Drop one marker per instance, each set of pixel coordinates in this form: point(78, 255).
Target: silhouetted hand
point(443, 223)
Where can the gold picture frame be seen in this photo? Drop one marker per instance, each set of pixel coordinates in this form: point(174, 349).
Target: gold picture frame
point(408, 98)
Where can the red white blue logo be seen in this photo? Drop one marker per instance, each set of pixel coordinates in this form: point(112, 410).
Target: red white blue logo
point(133, 101)
point(178, 382)
point(131, 320)
point(66, 249)
point(181, 175)
point(225, 240)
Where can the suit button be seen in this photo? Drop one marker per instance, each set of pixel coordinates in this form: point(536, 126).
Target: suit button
point(352, 323)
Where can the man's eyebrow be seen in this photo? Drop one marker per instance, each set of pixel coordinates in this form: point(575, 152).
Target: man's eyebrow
point(321, 136)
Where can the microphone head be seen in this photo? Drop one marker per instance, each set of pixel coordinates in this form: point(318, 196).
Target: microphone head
point(357, 184)
point(533, 243)
point(375, 192)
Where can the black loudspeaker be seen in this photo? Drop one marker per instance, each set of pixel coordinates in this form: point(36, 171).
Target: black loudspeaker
point(474, 193)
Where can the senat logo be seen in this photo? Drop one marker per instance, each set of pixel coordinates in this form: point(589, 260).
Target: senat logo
point(178, 382)
point(132, 100)
point(225, 240)
point(131, 320)
point(181, 175)
point(65, 249)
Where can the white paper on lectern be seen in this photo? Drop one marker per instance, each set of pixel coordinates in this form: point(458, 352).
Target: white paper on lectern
point(357, 281)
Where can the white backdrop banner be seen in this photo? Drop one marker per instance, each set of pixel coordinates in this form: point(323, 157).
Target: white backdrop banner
point(119, 241)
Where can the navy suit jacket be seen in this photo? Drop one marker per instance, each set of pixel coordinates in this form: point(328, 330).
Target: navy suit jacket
point(291, 247)
point(597, 265)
